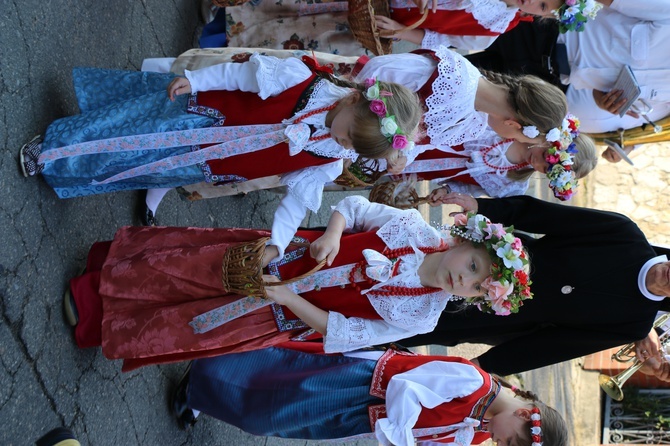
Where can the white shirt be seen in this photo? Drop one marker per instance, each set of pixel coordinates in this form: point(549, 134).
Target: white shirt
point(643, 275)
point(634, 33)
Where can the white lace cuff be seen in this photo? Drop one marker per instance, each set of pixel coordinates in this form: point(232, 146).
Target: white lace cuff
point(306, 185)
point(276, 75)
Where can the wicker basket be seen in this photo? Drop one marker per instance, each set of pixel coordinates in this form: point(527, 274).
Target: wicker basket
point(400, 194)
point(362, 173)
point(363, 26)
point(242, 271)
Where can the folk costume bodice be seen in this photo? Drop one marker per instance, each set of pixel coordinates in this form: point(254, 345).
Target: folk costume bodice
point(476, 167)
point(434, 398)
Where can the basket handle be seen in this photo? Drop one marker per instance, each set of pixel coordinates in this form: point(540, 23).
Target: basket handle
point(387, 33)
point(301, 276)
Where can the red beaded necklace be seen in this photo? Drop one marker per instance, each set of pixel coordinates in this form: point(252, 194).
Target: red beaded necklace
point(396, 290)
point(486, 151)
point(315, 112)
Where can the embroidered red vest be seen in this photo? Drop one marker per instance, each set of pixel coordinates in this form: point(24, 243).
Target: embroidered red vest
point(394, 362)
point(245, 108)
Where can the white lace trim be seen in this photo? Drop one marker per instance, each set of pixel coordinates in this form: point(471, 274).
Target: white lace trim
point(493, 15)
point(451, 118)
point(306, 185)
point(272, 72)
point(494, 182)
point(409, 228)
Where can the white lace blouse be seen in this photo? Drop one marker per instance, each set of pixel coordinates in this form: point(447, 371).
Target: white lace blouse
point(402, 316)
point(451, 118)
point(490, 175)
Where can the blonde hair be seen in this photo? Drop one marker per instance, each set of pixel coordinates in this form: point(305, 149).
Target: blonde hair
point(535, 102)
point(554, 427)
point(585, 160)
point(366, 136)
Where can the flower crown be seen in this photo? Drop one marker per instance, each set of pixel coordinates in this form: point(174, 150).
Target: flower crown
point(508, 284)
point(562, 148)
point(573, 14)
point(562, 178)
point(389, 126)
point(536, 426)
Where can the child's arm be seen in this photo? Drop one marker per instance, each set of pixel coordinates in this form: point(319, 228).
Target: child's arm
point(328, 245)
point(265, 75)
point(413, 35)
point(307, 312)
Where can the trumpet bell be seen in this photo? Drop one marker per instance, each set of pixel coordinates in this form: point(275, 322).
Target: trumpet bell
point(610, 386)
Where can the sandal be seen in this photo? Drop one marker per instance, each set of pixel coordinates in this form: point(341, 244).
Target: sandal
point(28, 156)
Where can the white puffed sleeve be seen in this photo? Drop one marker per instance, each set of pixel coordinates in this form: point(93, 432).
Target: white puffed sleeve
point(428, 385)
point(410, 70)
point(265, 75)
point(360, 215)
point(432, 41)
point(305, 190)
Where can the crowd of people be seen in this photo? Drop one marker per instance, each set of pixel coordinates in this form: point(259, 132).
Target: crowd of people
point(299, 333)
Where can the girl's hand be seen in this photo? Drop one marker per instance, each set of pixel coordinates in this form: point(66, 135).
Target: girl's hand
point(178, 86)
point(279, 293)
point(325, 247)
point(436, 195)
point(388, 23)
point(468, 203)
point(396, 162)
point(271, 252)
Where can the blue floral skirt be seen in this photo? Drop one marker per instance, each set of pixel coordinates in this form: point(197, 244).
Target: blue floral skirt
point(117, 103)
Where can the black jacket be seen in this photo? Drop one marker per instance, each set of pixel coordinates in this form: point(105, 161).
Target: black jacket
point(598, 253)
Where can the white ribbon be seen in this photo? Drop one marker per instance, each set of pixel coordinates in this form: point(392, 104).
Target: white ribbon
point(379, 266)
point(298, 137)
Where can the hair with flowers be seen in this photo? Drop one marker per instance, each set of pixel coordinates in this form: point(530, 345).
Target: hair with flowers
point(508, 285)
point(562, 179)
point(536, 426)
point(389, 126)
point(573, 14)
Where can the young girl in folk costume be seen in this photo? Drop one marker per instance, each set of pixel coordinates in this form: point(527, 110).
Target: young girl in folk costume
point(500, 167)
point(480, 20)
point(156, 295)
point(243, 121)
point(394, 397)
point(460, 102)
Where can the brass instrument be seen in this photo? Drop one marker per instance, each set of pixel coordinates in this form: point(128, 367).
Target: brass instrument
point(611, 385)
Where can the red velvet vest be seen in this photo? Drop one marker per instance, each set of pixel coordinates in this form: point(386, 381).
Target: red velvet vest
point(245, 108)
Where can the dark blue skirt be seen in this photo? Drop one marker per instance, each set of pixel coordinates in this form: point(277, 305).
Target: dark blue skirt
point(284, 393)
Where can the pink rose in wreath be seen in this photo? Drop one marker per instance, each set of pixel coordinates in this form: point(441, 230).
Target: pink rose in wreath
point(378, 108)
point(399, 142)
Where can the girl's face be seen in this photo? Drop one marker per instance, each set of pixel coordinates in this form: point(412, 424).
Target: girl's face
point(540, 8)
point(537, 157)
point(463, 268)
point(341, 126)
point(507, 428)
